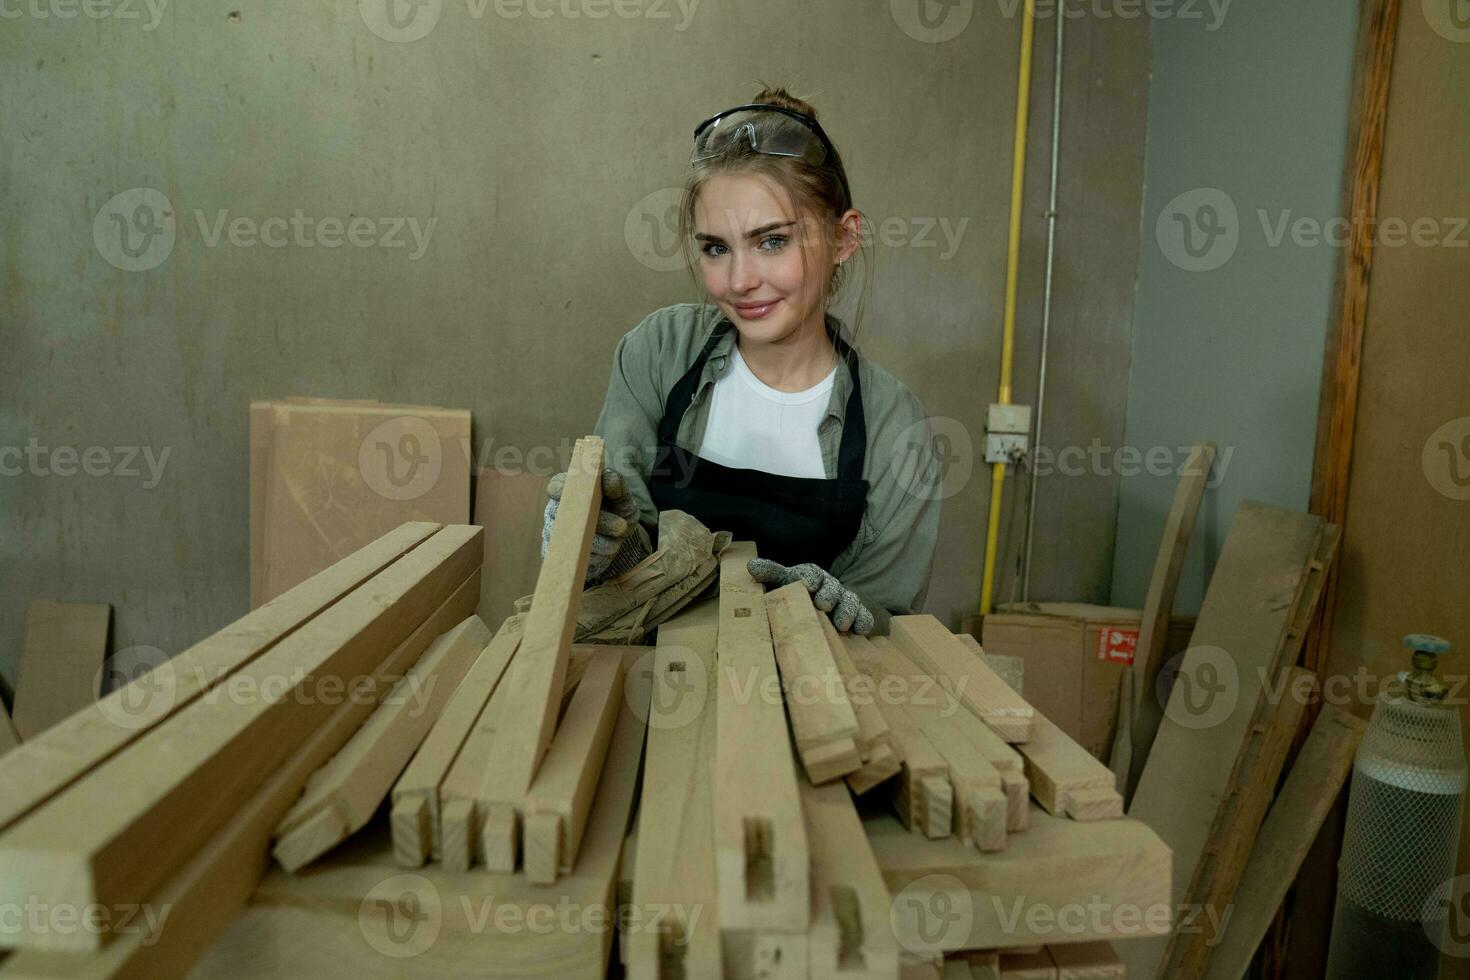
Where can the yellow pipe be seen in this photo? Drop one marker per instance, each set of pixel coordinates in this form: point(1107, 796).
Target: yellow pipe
point(1008, 334)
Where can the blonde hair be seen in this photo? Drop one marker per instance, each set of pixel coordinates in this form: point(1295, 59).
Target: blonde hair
point(818, 193)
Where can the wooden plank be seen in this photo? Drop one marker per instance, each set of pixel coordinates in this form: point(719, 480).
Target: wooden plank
point(1087, 961)
point(675, 904)
point(1012, 670)
point(561, 796)
point(1013, 897)
point(416, 793)
point(60, 663)
point(1249, 609)
point(209, 890)
point(1158, 605)
point(1257, 773)
point(535, 679)
point(1290, 827)
point(850, 933)
point(761, 853)
point(822, 719)
point(874, 743)
point(68, 750)
point(1059, 769)
point(121, 831)
point(925, 641)
point(343, 795)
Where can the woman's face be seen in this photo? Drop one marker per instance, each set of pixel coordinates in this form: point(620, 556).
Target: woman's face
point(751, 249)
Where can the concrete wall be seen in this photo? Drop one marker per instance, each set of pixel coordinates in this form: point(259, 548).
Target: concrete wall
point(543, 151)
point(1247, 126)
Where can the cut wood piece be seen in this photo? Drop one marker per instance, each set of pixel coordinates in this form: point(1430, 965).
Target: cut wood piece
point(1059, 769)
point(561, 796)
point(761, 853)
point(924, 640)
point(211, 888)
point(535, 680)
point(922, 794)
point(674, 889)
point(1087, 961)
point(822, 719)
point(345, 793)
point(1095, 803)
point(122, 830)
point(1261, 588)
point(882, 765)
point(60, 663)
point(1018, 799)
point(1153, 632)
point(1027, 966)
point(1291, 826)
point(416, 793)
point(1012, 670)
point(874, 743)
point(850, 933)
point(1257, 773)
point(68, 750)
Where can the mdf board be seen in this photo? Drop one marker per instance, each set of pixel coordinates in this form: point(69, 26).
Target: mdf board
point(60, 663)
point(70, 749)
point(1247, 612)
point(120, 831)
point(1074, 658)
point(340, 476)
point(509, 505)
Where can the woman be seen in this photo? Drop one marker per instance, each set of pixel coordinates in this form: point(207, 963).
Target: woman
point(753, 413)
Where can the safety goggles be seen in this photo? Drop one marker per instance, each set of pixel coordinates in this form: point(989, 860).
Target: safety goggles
point(717, 133)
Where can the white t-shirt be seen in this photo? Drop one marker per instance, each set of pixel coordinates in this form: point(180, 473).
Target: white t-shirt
point(754, 426)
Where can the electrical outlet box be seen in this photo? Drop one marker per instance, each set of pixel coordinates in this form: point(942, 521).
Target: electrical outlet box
point(1004, 448)
point(1009, 419)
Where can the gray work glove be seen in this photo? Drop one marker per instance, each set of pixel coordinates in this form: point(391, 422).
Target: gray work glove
point(620, 542)
point(829, 595)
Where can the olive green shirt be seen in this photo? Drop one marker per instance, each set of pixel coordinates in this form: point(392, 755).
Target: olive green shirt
point(889, 561)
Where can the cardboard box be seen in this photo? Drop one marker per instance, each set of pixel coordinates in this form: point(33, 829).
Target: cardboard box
point(1075, 655)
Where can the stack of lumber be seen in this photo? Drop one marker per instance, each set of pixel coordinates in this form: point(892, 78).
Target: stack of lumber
point(328, 476)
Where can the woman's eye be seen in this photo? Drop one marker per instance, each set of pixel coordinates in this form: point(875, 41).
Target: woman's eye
point(780, 241)
point(710, 245)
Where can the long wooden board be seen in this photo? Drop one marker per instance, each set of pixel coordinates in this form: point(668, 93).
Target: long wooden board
point(209, 891)
point(60, 663)
point(67, 751)
point(536, 677)
point(822, 719)
point(1238, 640)
point(924, 640)
point(121, 831)
point(761, 853)
point(874, 743)
point(343, 795)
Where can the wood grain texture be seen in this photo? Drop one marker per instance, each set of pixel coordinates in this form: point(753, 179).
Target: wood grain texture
point(822, 719)
point(68, 750)
point(60, 663)
point(122, 830)
point(925, 641)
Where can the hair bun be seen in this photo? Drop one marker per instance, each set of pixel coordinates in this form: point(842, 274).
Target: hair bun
point(778, 96)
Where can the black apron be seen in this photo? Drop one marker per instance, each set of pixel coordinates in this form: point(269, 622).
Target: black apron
point(791, 519)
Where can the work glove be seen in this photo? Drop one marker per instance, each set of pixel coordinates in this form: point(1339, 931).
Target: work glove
point(829, 595)
point(620, 542)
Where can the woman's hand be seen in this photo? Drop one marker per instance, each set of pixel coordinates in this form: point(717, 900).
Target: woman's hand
point(828, 594)
point(619, 542)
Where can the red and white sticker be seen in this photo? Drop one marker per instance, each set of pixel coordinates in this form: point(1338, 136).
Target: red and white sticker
point(1117, 646)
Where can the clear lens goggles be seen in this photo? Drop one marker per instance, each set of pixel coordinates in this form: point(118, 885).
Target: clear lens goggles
point(718, 133)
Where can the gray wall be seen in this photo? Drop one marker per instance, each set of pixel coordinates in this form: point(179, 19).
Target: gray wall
point(1228, 342)
point(534, 144)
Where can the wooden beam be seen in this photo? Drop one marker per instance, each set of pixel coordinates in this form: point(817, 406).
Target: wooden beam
point(761, 852)
point(1066, 778)
point(415, 818)
point(822, 719)
point(1158, 605)
point(68, 750)
point(121, 831)
point(1291, 826)
point(925, 641)
point(536, 678)
point(561, 796)
point(210, 889)
point(60, 663)
point(342, 796)
point(874, 741)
